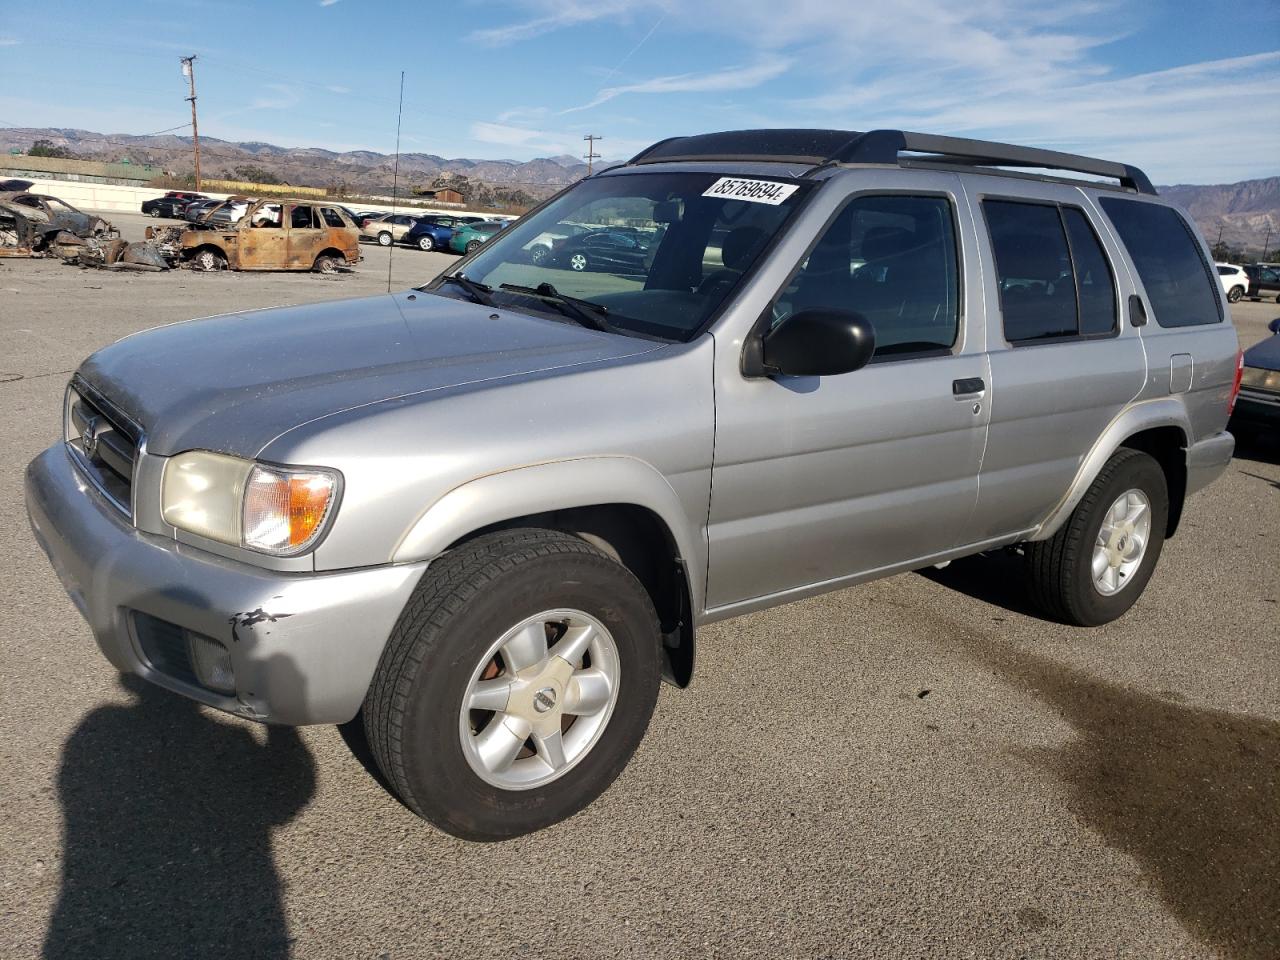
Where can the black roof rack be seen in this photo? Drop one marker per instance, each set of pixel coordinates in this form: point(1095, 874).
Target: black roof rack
point(823, 148)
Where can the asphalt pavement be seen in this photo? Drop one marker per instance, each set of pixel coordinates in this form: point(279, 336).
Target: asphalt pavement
point(918, 767)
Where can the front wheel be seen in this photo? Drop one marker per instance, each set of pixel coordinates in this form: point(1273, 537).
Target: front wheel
point(155, 212)
point(517, 684)
point(1235, 294)
point(209, 261)
point(384, 239)
point(579, 262)
point(426, 243)
point(1096, 566)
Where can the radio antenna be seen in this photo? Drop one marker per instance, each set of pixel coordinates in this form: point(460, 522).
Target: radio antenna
point(395, 180)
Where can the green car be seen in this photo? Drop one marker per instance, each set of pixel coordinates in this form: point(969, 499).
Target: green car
point(467, 236)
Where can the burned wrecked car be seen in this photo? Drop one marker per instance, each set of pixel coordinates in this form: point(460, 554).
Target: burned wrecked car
point(31, 222)
point(269, 235)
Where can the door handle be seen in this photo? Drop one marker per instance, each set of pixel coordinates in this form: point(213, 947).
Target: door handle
point(968, 387)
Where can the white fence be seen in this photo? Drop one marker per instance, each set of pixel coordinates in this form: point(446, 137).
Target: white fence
point(113, 198)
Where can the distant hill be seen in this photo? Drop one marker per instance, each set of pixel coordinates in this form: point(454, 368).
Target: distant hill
point(362, 170)
point(1242, 210)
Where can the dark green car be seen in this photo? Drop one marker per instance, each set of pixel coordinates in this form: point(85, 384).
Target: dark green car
point(467, 237)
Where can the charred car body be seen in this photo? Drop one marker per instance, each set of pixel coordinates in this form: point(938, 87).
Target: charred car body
point(271, 235)
point(30, 223)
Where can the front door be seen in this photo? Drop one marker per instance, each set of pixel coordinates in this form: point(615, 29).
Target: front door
point(262, 238)
point(819, 480)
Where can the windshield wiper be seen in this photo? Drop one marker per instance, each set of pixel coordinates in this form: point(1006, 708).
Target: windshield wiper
point(476, 291)
point(588, 314)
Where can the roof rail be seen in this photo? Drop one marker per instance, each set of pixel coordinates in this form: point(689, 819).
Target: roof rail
point(884, 146)
point(823, 148)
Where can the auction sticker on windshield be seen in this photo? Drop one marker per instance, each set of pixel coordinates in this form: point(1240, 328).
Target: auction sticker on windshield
point(755, 191)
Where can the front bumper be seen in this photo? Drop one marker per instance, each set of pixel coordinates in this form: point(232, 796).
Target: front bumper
point(303, 646)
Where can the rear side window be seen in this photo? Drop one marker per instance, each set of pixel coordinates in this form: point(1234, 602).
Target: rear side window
point(332, 217)
point(1177, 278)
point(1055, 281)
point(1226, 271)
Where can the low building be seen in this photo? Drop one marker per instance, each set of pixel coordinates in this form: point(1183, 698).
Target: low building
point(439, 195)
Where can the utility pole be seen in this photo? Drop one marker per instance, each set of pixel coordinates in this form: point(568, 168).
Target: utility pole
point(1266, 244)
point(189, 71)
point(591, 154)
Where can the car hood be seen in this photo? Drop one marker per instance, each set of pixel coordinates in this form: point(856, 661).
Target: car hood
point(233, 383)
point(1265, 354)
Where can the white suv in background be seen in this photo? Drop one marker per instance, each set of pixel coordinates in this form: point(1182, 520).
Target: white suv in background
point(1235, 282)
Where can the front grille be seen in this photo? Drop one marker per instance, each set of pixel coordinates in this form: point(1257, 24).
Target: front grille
point(104, 442)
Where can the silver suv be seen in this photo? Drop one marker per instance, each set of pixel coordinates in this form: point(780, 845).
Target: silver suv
point(483, 518)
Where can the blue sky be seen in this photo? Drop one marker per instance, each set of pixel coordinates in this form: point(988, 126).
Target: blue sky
point(1188, 90)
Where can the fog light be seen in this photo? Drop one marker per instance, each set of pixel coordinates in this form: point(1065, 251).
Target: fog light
point(211, 663)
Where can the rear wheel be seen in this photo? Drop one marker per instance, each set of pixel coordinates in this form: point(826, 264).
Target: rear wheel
point(1235, 294)
point(384, 239)
point(538, 255)
point(473, 246)
point(426, 243)
point(517, 684)
point(325, 264)
point(1094, 569)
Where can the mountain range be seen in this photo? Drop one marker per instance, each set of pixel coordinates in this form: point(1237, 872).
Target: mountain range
point(1240, 214)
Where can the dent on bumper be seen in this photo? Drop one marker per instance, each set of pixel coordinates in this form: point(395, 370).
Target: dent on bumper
point(304, 646)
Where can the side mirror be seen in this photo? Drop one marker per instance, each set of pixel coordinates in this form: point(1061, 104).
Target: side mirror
point(1274, 325)
point(818, 343)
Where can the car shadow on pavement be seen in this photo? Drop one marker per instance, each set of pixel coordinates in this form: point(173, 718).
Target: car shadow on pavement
point(167, 840)
point(998, 578)
point(1191, 794)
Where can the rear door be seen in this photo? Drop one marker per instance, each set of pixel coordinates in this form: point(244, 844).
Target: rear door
point(307, 236)
point(1063, 364)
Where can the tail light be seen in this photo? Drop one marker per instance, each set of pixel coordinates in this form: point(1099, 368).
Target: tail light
point(1235, 385)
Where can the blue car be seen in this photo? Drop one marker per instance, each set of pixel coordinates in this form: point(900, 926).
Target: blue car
point(429, 235)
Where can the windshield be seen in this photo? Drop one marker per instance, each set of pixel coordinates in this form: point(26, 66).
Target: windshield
point(658, 251)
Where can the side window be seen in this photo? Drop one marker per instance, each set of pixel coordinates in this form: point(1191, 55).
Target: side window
point(1226, 271)
point(1033, 267)
point(892, 259)
point(1095, 286)
point(332, 217)
point(301, 218)
point(1175, 274)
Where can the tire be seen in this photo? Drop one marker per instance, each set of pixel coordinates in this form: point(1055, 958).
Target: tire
point(473, 246)
point(579, 262)
point(1061, 569)
point(155, 212)
point(538, 255)
point(384, 239)
point(426, 243)
point(1235, 294)
point(325, 264)
point(467, 602)
point(209, 260)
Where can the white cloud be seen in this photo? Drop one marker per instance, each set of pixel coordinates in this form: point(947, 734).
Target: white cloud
point(9, 41)
point(275, 96)
point(554, 16)
point(530, 142)
point(327, 3)
point(337, 88)
point(730, 78)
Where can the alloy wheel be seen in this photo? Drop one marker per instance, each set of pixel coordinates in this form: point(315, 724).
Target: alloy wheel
point(1121, 542)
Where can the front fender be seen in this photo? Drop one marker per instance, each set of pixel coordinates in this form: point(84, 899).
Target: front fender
point(558, 485)
point(1159, 412)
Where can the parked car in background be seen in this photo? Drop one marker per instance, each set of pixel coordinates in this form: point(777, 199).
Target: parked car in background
point(429, 234)
point(1235, 282)
point(1258, 406)
point(469, 236)
point(1264, 281)
point(274, 235)
point(388, 229)
point(171, 204)
point(615, 251)
point(196, 209)
point(540, 247)
point(15, 186)
point(226, 212)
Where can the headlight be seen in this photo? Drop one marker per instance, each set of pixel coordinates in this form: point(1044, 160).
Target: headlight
point(264, 507)
point(1261, 379)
